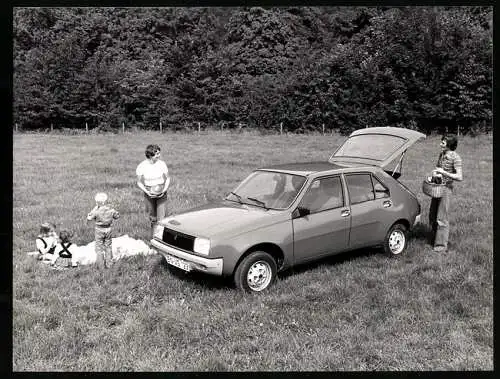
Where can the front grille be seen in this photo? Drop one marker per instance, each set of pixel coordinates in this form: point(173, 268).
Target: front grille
point(179, 240)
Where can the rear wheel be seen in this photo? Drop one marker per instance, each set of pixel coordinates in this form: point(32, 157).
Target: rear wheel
point(396, 240)
point(256, 272)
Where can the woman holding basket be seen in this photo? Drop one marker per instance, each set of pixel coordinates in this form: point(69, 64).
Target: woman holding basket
point(449, 167)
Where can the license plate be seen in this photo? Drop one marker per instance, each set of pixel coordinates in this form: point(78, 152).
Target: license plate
point(178, 263)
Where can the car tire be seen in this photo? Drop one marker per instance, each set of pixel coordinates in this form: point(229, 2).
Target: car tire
point(396, 240)
point(256, 272)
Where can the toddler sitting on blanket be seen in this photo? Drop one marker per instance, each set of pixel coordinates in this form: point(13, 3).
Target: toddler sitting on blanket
point(65, 249)
point(46, 241)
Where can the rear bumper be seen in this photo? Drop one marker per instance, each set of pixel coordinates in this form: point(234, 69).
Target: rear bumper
point(209, 266)
point(417, 219)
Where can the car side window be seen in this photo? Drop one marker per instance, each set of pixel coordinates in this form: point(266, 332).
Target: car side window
point(380, 190)
point(324, 194)
point(360, 188)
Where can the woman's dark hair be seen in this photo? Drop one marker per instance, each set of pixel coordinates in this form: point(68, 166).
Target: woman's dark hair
point(451, 141)
point(151, 150)
point(65, 236)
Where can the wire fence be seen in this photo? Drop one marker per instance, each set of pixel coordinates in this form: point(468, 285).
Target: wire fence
point(199, 127)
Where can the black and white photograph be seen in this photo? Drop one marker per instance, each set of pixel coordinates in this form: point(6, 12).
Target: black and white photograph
point(253, 189)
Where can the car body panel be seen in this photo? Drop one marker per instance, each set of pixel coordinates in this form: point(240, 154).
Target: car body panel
point(222, 219)
point(279, 235)
point(320, 234)
point(303, 168)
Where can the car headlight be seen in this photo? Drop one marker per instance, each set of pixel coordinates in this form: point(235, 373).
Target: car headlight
point(158, 231)
point(201, 246)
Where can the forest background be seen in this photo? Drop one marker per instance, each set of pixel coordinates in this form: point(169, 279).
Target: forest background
point(289, 68)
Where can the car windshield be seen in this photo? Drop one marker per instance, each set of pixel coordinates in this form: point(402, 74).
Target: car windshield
point(370, 146)
point(268, 189)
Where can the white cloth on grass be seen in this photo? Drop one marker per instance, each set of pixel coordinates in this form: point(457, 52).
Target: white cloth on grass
point(123, 246)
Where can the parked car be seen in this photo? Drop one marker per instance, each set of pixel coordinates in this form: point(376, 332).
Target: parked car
point(289, 214)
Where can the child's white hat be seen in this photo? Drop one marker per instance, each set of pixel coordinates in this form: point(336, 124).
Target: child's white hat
point(101, 197)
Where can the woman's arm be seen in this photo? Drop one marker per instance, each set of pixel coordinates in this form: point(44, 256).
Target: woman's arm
point(457, 176)
point(167, 183)
point(140, 184)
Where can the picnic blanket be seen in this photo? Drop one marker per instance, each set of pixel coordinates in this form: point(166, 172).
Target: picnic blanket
point(123, 246)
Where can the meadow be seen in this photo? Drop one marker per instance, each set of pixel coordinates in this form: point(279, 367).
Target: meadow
point(360, 311)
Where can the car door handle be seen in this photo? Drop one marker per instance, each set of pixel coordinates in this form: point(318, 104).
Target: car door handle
point(345, 213)
point(387, 203)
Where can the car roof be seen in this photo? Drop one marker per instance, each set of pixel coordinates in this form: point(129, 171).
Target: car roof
point(308, 168)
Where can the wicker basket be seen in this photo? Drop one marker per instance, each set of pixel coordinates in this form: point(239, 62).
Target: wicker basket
point(432, 189)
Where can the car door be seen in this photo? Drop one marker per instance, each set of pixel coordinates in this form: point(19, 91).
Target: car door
point(325, 230)
point(369, 203)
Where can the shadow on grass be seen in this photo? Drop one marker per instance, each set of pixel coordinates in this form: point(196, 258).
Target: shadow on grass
point(211, 282)
point(420, 232)
point(330, 260)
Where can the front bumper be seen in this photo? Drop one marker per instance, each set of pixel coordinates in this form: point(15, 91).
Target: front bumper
point(209, 266)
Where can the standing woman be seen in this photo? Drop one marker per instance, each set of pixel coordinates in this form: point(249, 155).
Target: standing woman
point(449, 165)
point(153, 180)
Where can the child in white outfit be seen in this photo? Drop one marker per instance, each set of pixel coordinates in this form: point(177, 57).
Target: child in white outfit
point(46, 241)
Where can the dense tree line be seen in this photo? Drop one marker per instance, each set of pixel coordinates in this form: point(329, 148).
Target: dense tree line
point(341, 67)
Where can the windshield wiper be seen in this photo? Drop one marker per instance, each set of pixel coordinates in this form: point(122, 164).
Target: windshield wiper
point(237, 196)
point(258, 201)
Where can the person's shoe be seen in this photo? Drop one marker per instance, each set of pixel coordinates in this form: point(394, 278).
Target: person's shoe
point(439, 249)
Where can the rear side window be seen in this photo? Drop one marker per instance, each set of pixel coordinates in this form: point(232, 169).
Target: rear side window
point(380, 190)
point(360, 188)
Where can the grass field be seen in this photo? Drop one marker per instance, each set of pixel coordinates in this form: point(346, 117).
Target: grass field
point(360, 311)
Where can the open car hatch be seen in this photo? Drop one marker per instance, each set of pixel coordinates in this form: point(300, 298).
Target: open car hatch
point(377, 146)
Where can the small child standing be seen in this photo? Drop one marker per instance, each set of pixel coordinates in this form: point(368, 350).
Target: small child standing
point(104, 217)
point(46, 241)
point(65, 249)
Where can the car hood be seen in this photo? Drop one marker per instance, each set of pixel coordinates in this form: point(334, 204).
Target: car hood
point(375, 146)
point(224, 218)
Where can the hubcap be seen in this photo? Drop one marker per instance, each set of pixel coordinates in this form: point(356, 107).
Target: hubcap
point(259, 276)
point(396, 242)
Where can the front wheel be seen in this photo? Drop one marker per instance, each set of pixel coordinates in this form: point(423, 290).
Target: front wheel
point(396, 240)
point(256, 272)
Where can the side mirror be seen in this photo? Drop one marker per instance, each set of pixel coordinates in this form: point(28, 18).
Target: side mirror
point(300, 212)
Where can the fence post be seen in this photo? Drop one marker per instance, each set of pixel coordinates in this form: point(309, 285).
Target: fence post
point(281, 128)
point(16, 126)
point(458, 130)
point(123, 127)
point(199, 127)
point(51, 127)
point(161, 127)
point(323, 129)
point(86, 128)
point(222, 126)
